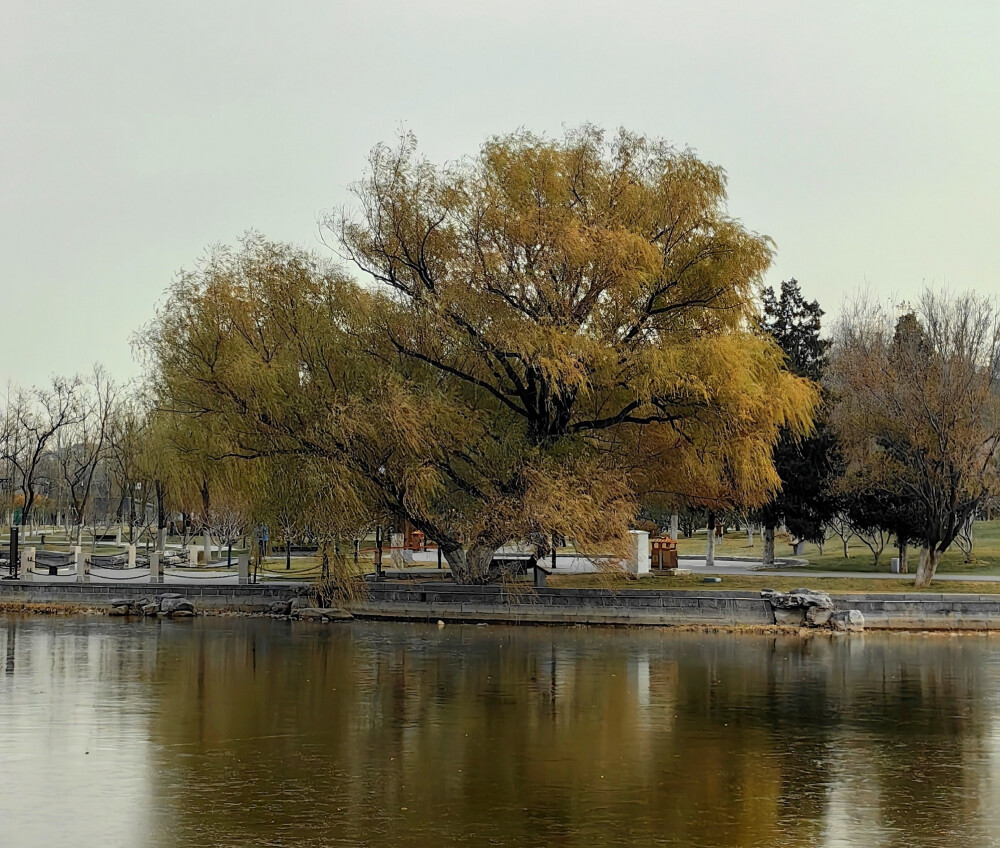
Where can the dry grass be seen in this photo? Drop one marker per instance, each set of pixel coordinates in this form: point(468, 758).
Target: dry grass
point(29, 608)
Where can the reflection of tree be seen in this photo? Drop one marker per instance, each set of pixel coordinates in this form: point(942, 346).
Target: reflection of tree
point(555, 737)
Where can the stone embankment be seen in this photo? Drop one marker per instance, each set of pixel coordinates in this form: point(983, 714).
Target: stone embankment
point(714, 608)
point(433, 601)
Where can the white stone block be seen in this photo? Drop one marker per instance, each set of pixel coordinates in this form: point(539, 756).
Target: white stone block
point(155, 568)
point(27, 563)
point(638, 560)
point(243, 568)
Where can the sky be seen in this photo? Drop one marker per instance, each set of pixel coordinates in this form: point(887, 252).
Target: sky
point(860, 136)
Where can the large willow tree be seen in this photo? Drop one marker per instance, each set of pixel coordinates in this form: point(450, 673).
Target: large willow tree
point(544, 335)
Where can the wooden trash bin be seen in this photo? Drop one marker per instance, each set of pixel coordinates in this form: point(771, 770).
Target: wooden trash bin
point(663, 554)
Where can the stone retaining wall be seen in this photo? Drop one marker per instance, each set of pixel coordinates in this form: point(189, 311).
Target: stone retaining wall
point(247, 598)
point(423, 601)
point(449, 602)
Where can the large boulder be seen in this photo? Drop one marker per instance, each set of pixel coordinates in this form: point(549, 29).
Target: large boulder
point(790, 617)
point(280, 607)
point(149, 609)
point(818, 616)
point(322, 614)
point(169, 606)
point(849, 621)
point(797, 599)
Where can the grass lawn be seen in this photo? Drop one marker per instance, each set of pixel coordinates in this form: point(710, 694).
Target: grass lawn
point(754, 583)
point(986, 553)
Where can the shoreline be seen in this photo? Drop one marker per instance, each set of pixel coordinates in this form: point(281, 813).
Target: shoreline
point(453, 603)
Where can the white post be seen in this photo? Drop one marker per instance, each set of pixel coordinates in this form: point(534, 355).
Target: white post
point(675, 522)
point(243, 568)
point(193, 554)
point(131, 556)
point(81, 565)
point(206, 541)
point(638, 560)
point(27, 563)
point(118, 535)
point(155, 568)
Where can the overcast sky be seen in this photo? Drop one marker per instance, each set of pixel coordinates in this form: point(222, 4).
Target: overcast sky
point(861, 136)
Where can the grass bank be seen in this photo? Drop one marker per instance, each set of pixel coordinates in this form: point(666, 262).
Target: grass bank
point(754, 583)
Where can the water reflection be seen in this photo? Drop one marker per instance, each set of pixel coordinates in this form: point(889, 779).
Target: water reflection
point(245, 732)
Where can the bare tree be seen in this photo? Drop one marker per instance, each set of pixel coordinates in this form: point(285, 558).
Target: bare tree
point(85, 439)
point(31, 421)
point(841, 526)
point(227, 524)
point(918, 409)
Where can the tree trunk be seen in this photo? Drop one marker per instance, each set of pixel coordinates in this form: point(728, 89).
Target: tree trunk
point(470, 566)
point(927, 567)
point(710, 546)
point(847, 553)
point(768, 544)
point(674, 525)
point(904, 566)
point(750, 534)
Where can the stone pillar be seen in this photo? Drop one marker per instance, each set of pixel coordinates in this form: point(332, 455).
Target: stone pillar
point(131, 556)
point(894, 565)
point(638, 560)
point(82, 565)
point(243, 569)
point(118, 535)
point(27, 563)
point(161, 539)
point(155, 568)
point(675, 526)
point(193, 553)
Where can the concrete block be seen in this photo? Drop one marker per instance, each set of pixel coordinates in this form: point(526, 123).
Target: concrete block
point(155, 567)
point(638, 561)
point(243, 569)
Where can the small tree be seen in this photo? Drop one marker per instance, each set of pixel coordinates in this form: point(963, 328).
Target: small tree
point(227, 524)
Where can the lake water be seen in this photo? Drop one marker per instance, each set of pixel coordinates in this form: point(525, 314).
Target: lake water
point(244, 732)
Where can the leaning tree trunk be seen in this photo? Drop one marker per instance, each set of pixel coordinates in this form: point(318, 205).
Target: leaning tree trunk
point(926, 568)
point(710, 546)
point(768, 557)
